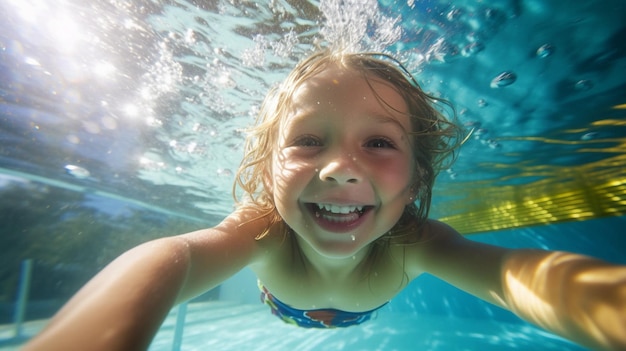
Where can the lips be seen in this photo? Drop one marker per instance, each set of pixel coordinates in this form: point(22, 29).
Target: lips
point(338, 218)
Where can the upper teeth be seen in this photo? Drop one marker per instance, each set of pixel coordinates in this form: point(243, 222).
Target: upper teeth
point(339, 209)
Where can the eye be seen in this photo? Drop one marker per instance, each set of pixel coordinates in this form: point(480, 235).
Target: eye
point(307, 141)
point(380, 143)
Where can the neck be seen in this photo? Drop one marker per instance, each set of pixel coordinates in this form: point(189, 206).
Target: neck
point(332, 268)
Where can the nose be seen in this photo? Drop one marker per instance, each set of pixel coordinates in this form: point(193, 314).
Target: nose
point(341, 169)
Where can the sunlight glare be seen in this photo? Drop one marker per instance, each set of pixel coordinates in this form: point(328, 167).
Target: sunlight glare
point(28, 11)
point(52, 22)
point(65, 31)
point(104, 69)
point(131, 110)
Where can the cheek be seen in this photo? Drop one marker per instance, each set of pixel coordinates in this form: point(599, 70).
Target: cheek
point(398, 175)
point(288, 176)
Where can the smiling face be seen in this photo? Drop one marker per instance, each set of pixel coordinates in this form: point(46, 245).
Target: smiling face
point(343, 165)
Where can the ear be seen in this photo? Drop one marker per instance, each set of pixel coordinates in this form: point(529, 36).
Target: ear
point(414, 188)
point(412, 193)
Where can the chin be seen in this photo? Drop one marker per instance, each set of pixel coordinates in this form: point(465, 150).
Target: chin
point(339, 251)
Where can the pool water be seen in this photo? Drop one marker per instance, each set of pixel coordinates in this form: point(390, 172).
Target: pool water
point(223, 326)
point(123, 121)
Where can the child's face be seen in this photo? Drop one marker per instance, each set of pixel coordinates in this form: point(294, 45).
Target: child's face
point(343, 165)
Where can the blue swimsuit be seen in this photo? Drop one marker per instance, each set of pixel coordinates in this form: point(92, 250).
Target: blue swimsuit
point(319, 318)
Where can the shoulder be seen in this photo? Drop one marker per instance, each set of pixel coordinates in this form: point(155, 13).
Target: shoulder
point(467, 264)
point(241, 230)
point(441, 248)
point(424, 245)
point(217, 253)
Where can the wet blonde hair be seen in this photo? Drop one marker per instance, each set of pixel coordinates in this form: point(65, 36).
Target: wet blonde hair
point(434, 138)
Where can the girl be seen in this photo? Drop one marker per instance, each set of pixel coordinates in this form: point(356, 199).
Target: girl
point(337, 177)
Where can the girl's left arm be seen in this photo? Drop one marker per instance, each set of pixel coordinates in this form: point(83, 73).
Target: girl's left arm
point(575, 296)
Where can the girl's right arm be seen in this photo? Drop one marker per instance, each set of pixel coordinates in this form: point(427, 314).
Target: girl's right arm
point(123, 306)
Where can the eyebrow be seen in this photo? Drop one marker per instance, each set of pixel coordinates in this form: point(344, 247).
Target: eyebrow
point(389, 120)
point(377, 117)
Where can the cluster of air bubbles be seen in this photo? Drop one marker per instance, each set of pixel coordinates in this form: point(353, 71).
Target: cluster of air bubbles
point(358, 25)
point(445, 36)
point(491, 143)
point(255, 57)
point(150, 163)
point(441, 51)
point(283, 48)
point(481, 134)
point(164, 76)
point(476, 129)
point(220, 76)
point(191, 147)
point(451, 173)
point(254, 110)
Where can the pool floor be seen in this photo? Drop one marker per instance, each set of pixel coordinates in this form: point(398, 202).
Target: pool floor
point(229, 326)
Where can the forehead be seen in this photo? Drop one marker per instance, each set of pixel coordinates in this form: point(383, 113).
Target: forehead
point(340, 88)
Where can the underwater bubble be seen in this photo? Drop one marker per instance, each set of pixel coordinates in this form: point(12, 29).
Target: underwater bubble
point(472, 49)
point(482, 103)
point(503, 79)
point(224, 172)
point(77, 171)
point(473, 124)
point(225, 81)
point(442, 51)
point(583, 85)
point(451, 173)
point(545, 50)
point(492, 144)
point(589, 136)
point(480, 131)
point(353, 237)
point(190, 36)
point(454, 14)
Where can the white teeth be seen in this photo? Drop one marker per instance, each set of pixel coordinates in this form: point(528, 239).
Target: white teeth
point(339, 209)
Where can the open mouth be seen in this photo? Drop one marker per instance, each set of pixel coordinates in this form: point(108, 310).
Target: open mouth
point(338, 218)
